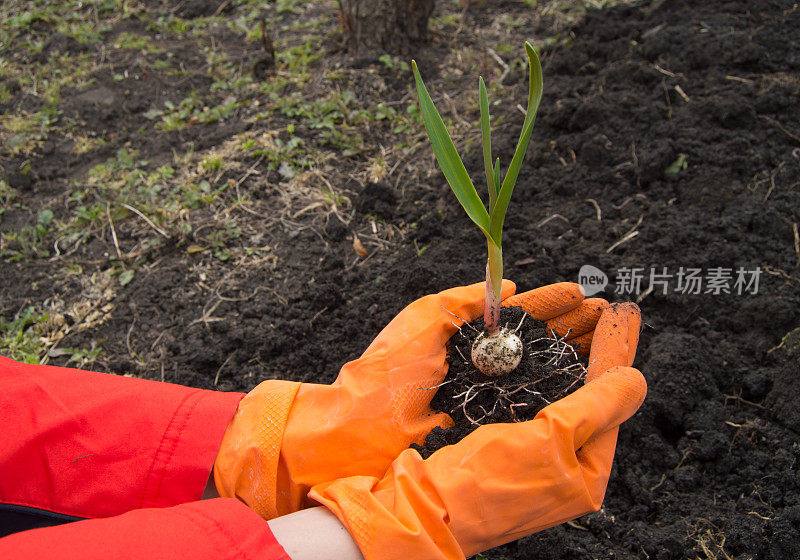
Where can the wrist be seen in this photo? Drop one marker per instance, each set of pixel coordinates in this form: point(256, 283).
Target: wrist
point(247, 463)
point(314, 534)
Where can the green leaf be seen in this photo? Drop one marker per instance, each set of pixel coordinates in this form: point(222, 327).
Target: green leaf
point(45, 217)
point(677, 166)
point(125, 277)
point(153, 114)
point(535, 89)
point(497, 175)
point(486, 137)
point(448, 158)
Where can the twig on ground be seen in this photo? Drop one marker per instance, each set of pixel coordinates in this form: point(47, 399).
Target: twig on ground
point(644, 294)
point(574, 525)
point(780, 126)
point(316, 315)
point(549, 218)
point(625, 238)
point(133, 354)
point(771, 186)
point(660, 482)
point(506, 68)
point(739, 398)
point(738, 79)
point(113, 231)
point(796, 242)
point(453, 110)
point(145, 218)
point(665, 72)
point(682, 93)
point(628, 236)
point(594, 203)
point(221, 7)
point(216, 377)
point(627, 200)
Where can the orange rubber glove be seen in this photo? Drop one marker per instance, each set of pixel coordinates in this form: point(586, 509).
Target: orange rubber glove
point(286, 437)
point(503, 481)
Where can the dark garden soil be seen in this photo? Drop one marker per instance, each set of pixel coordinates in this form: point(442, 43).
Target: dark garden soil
point(550, 369)
point(668, 139)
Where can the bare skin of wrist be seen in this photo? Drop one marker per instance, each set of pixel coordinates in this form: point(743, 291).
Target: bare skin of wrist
point(314, 534)
point(309, 534)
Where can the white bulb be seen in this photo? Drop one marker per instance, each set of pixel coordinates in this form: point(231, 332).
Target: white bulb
point(497, 354)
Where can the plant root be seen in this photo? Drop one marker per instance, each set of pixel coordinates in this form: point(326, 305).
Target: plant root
point(550, 370)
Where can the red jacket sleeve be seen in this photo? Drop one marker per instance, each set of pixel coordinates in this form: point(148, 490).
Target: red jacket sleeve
point(91, 445)
point(217, 529)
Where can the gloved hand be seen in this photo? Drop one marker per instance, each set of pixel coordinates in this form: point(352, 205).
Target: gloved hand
point(286, 437)
point(503, 481)
point(576, 325)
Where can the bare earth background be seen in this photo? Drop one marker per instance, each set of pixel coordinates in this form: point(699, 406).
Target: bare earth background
point(172, 210)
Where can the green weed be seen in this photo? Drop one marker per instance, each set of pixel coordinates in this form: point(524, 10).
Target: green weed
point(192, 111)
point(27, 338)
point(126, 40)
point(22, 133)
point(19, 338)
point(219, 238)
point(395, 64)
point(29, 241)
point(7, 196)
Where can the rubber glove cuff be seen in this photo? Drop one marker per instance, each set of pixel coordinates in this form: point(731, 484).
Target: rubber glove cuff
point(247, 463)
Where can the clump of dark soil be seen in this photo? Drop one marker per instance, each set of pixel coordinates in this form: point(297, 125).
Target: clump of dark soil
point(550, 369)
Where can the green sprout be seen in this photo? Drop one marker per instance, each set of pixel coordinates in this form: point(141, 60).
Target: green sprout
point(490, 222)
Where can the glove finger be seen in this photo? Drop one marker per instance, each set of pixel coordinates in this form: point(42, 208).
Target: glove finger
point(425, 325)
point(615, 338)
point(580, 320)
point(528, 476)
point(548, 301)
point(595, 408)
point(582, 343)
point(596, 457)
point(599, 406)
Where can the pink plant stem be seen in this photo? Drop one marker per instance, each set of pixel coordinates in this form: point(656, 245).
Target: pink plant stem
point(491, 310)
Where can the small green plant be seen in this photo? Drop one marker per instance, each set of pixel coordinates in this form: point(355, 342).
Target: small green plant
point(393, 63)
point(496, 343)
point(28, 242)
point(127, 40)
point(7, 194)
point(677, 166)
point(211, 163)
point(19, 338)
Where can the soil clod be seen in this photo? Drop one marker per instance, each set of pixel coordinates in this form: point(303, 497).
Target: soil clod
point(549, 370)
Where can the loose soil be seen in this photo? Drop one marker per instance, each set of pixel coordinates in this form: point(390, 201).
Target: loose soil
point(708, 468)
point(550, 369)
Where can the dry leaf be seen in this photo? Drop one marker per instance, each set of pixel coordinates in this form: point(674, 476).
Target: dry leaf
point(359, 247)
